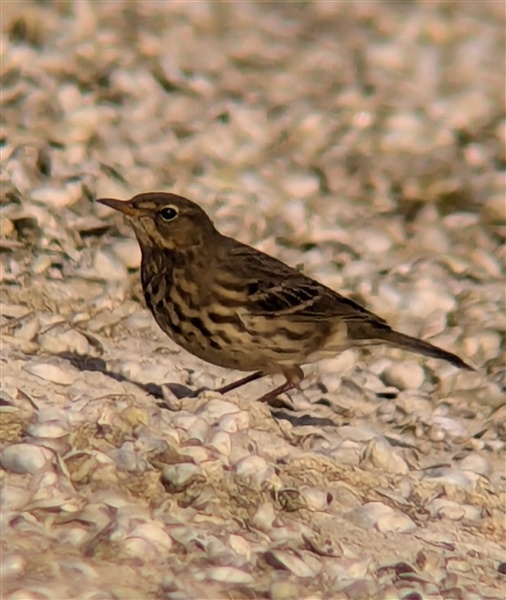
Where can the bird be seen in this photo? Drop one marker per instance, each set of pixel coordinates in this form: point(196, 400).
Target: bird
point(236, 307)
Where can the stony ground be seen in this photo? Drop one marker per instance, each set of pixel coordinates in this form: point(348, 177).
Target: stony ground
point(363, 141)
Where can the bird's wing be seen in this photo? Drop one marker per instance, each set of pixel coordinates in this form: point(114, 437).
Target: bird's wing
point(275, 289)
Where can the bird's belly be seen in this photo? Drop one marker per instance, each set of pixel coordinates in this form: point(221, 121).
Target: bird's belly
point(223, 340)
point(209, 332)
point(225, 347)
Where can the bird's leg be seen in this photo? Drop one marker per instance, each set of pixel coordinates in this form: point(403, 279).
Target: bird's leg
point(294, 376)
point(235, 384)
point(285, 387)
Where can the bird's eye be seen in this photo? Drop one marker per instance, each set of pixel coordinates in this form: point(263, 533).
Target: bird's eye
point(169, 213)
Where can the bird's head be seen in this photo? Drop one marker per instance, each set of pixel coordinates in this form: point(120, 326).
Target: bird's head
point(165, 221)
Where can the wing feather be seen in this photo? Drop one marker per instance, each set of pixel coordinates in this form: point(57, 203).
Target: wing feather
point(275, 289)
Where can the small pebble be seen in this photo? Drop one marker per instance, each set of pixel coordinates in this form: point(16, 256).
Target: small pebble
point(55, 197)
point(63, 375)
point(404, 375)
point(477, 464)
point(108, 266)
point(367, 516)
point(177, 478)
point(397, 521)
point(283, 589)
point(230, 575)
point(215, 409)
point(279, 559)
point(381, 455)
point(128, 251)
point(25, 458)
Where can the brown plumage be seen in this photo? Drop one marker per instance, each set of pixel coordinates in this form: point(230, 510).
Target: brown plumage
point(239, 308)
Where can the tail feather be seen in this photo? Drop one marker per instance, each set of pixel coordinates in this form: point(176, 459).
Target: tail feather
point(407, 342)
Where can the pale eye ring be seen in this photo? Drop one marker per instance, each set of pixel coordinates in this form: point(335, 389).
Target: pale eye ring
point(168, 213)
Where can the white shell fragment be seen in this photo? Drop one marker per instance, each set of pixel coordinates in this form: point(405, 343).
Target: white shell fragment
point(128, 252)
point(404, 375)
point(25, 458)
point(55, 373)
point(178, 477)
point(380, 454)
point(285, 560)
point(54, 196)
point(229, 575)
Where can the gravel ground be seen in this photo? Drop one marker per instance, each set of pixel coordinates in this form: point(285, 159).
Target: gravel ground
point(364, 141)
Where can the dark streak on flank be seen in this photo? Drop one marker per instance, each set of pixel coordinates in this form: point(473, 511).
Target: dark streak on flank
point(186, 297)
point(280, 350)
point(175, 328)
point(178, 309)
point(284, 331)
point(199, 325)
point(231, 319)
point(225, 338)
point(214, 344)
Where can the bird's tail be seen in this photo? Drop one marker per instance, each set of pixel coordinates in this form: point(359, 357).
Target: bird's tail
point(406, 342)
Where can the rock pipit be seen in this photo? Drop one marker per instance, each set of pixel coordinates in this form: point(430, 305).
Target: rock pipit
point(236, 307)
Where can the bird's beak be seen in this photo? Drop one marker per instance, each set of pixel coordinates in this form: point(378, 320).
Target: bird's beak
point(122, 206)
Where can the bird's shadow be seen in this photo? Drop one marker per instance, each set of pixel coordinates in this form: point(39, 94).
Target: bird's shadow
point(280, 409)
point(84, 362)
